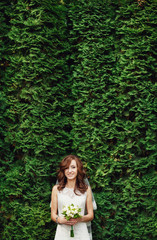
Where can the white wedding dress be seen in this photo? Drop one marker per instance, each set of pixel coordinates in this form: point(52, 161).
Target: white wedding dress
point(65, 198)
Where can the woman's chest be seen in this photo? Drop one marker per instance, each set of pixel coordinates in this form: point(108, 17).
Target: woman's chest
point(66, 198)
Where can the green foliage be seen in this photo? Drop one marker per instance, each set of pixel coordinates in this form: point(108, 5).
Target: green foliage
point(78, 77)
point(6, 149)
point(114, 126)
point(36, 86)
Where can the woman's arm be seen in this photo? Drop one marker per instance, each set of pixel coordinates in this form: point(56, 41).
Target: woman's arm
point(54, 204)
point(54, 209)
point(89, 205)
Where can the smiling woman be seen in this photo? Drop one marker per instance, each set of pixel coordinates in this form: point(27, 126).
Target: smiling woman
point(71, 174)
point(71, 171)
point(71, 191)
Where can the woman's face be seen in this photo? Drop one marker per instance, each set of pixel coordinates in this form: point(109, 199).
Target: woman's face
point(71, 171)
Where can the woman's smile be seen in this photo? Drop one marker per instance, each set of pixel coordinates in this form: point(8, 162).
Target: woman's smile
point(71, 171)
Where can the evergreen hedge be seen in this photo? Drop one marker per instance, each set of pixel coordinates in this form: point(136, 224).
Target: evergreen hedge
point(79, 77)
point(6, 149)
point(36, 85)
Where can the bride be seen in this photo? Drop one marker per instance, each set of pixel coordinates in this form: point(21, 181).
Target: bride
point(71, 189)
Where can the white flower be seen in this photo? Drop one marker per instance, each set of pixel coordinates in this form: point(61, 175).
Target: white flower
point(71, 211)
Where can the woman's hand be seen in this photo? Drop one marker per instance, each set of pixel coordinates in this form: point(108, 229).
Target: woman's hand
point(71, 222)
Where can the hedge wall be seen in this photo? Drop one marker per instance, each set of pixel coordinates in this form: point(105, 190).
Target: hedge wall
point(38, 116)
point(79, 77)
point(115, 113)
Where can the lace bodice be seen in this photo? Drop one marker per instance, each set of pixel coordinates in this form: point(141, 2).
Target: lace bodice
point(67, 197)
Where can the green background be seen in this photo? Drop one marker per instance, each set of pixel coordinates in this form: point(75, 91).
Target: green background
point(78, 77)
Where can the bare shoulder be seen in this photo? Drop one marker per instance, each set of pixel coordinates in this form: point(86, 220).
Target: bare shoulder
point(55, 188)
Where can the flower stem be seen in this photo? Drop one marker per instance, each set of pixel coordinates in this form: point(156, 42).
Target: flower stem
point(72, 232)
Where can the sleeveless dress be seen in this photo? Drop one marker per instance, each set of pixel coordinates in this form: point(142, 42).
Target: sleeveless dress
point(65, 198)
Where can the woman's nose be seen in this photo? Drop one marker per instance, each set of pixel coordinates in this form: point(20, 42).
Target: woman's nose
point(70, 169)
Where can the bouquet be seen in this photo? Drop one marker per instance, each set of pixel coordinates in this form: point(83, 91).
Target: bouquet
point(69, 212)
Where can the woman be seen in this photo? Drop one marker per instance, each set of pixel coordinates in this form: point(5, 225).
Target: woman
point(71, 189)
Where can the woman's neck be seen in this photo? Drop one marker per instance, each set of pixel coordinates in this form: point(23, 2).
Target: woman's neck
point(70, 184)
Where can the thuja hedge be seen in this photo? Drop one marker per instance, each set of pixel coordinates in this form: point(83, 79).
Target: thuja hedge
point(115, 113)
point(79, 77)
point(6, 153)
point(36, 86)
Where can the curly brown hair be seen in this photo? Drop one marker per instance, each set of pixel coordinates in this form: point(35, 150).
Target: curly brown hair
point(62, 180)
